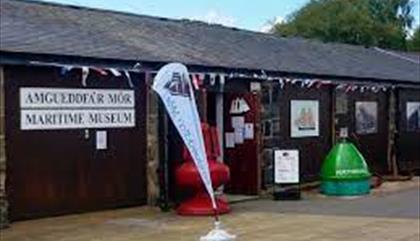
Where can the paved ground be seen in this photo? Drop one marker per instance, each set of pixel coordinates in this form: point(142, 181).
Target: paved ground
point(403, 204)
point(381, 216)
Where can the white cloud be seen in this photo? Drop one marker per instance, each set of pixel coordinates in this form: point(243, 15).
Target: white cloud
point(269, 24)
point(216, 17)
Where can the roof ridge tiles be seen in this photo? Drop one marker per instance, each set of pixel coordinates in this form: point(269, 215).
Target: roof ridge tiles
point(37, 27)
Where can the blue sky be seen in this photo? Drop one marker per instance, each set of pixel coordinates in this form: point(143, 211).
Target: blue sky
point(248, 14)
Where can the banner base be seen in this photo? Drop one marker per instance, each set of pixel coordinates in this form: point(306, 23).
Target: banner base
point(218, 234)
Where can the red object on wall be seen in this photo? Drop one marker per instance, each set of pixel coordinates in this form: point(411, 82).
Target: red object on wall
point(187, 177)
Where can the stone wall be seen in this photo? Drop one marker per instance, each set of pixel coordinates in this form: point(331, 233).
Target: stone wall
point(152, 145)
point(3, 200)
point(270, 131)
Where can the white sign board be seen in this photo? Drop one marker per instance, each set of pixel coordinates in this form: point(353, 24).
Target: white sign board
point(101, 140)
point(286, 166)
point(56, 108)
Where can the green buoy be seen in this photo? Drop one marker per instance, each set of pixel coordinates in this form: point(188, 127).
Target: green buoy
point(345, 172)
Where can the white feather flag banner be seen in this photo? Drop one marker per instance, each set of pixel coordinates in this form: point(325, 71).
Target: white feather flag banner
point(173, 85)
point(115, 72)
point(85, 73)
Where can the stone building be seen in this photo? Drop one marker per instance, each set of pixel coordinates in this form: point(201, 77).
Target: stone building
point(284, 93)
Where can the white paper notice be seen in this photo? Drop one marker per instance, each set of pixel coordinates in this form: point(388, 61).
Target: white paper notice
point(229, 140)
point(101, 140)
point(286, 166)
point(239, 135)
point(238, 122)
point(249, 131)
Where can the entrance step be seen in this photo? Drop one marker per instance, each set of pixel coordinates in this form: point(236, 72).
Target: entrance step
point(234, 198)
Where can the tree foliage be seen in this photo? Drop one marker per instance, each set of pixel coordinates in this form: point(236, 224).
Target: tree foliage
point(382, 23)
point(414, 42)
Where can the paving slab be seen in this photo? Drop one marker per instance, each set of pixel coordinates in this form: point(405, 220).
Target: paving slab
point(262, 220)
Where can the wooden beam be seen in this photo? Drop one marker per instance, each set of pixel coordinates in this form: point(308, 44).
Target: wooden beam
point(3, 197)
point(391, 153)
point(152, 126)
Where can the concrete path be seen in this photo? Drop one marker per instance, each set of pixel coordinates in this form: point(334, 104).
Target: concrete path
point(405, 204)
point(389, 217)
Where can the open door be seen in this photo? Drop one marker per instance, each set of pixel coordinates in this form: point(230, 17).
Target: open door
point(241, 118)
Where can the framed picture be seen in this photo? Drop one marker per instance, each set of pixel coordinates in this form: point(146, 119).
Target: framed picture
point(366, 113)
point(413, 116)
point(304, 118)
point(341, 102)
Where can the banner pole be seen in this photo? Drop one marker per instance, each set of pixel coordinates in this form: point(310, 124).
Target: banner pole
point(173, 85)
point(216, 215)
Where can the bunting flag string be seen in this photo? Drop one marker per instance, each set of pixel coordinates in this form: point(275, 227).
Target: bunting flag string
point(100, 71)
point(340, 86)
point(201, 79)
point(212, 79)
point(137, 66)
point(196, 81)
point(115, 72)
point(303, 83)
point(281, 82)
point(85, 74)
point(127, 74)
point(310, 83)
point(319, 84)
point(86, 71)
point(222, 79)
point(65, 69)
point(264, 74)
point(375, 89)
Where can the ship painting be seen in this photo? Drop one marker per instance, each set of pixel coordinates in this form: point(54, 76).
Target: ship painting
point(366, 117)
point(179, 85)
point(305, 120)
point(413, 116)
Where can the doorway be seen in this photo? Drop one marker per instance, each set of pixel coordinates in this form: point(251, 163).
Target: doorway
point(241, 144)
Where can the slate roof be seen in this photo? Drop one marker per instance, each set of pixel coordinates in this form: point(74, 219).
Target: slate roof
point(415, 56)
point(46, 28)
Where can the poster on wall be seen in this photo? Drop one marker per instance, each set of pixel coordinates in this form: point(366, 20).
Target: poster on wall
point(230, 139)
point(249, 131)
point(304, 118)
point(341, 102)
point(101, 140)
point(366, 117)
point(413, 116)
point(239, 106)
point(286, 166)
point(238, 122)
